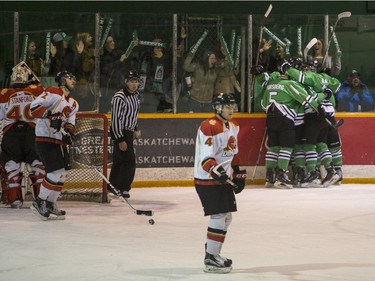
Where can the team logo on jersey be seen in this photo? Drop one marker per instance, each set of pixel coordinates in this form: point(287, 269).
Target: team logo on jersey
point(231, 145)
point(212, 122)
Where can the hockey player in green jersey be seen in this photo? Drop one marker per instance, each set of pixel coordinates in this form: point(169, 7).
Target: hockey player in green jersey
point(285, 110)
point(317, 133)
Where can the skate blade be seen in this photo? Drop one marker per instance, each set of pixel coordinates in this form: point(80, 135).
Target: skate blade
point(281, 185)
point(56, 218)
point(35, 211)
point(312, 185)
point(215, 269)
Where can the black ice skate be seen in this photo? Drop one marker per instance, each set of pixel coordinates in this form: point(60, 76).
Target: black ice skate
point(312, 180)
point(331, 178)
point(270, 178)
point(39, 208)
point(300, 175)
point(339, 172)
point(282, 180)
point(217, 264)
point(53, 209)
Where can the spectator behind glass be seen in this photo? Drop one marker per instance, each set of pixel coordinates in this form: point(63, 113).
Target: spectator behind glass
point(157, 65)
point(34, 61)
point(332, 65)
point(353, 95)
point(84, 64)
point(204, 76)
point(226, 81)
point(61, 54)
point(111, 68)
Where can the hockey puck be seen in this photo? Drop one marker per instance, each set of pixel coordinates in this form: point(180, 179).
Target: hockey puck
point(151, 221)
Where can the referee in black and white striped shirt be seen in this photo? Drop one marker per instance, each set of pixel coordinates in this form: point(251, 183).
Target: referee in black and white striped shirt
point(124, 129)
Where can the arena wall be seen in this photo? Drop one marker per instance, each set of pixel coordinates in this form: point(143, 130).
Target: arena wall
point(165, 152)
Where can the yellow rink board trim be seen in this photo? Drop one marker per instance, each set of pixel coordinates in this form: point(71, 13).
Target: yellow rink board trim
point(185, 183)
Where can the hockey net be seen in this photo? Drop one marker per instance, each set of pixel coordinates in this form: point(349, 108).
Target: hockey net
point(88, 151)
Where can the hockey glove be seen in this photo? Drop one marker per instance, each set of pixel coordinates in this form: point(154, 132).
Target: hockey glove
point(285, 65)
point(257, 69)
point(219, 174)
point(322, 113)
point(327, 93)
point(239, 178)
point(55, 121)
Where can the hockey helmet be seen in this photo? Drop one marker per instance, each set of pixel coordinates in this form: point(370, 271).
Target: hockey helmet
point(223, 99)
point(314, 66)
point(296, 63)
point(62, 76)
point(22, 75)
point(131, 75)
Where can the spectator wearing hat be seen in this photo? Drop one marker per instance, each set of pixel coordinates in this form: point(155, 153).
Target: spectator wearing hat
point(61, 54)
point(157, 66)
point(354, 95)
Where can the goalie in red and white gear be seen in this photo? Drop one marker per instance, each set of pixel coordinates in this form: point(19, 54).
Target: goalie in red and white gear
point(18, 143)
point(56, 112)
point(217, 177)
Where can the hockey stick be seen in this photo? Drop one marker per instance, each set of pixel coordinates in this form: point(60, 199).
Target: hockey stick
point(339, 17)
point(333, 125)
point(308, 47)
point(259, 154)
point(251, 97)
point(134, 210)
point(215, 170)
point(261, 32)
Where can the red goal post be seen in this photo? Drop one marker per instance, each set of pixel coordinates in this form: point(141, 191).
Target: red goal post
point(89, 150)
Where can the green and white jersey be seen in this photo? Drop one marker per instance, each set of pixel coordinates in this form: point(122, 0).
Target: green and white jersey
point(318, 81)
point(290, 98)
point(315, 84)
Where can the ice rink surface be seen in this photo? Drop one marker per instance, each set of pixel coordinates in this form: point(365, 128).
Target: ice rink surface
point(276, 235)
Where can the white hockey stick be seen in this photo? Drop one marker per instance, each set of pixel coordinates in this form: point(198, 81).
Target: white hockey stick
point(308, 47)
point(215, 170)
point(261, 32)
point(339, 17)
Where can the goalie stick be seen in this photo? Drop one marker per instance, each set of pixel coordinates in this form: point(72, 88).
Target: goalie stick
point(333, 125)
point(308, 47)
point(134, 210)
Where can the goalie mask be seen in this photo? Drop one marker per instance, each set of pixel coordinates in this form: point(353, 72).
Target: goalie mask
point(223, 101)
point(22, 75)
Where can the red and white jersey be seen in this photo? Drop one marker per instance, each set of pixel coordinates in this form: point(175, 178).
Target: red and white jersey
point(216, 142)
point(15, 105)
point(54, 100)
